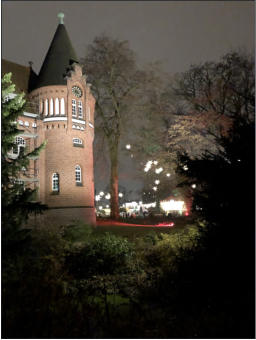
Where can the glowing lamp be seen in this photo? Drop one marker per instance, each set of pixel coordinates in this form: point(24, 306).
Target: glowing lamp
point(128, 146)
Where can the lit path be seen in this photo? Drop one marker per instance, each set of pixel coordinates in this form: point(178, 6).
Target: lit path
point(107, 223)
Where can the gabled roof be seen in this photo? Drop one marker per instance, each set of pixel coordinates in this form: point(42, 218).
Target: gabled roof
point(22, 76)
point(58, 58)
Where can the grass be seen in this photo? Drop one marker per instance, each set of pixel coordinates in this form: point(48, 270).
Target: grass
point(132, 233)
point(80, 232)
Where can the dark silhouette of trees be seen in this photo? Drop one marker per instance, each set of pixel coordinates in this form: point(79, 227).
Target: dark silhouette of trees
point(207, 98)
point(224, 198)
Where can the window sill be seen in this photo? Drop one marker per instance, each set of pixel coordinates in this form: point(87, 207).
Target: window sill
point(78, 145)
point(55, 193)
point(79, 184)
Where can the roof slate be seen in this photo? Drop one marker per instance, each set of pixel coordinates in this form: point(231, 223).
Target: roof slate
point(58, 58)
point(22, 76)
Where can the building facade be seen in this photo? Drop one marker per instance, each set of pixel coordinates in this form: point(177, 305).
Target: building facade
point(60, 111)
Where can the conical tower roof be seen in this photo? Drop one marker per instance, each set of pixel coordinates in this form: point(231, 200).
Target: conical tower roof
point(58, 58)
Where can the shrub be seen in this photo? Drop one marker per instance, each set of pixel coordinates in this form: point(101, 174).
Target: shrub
point(78, 233)
point(107, 254)
point(167, 248)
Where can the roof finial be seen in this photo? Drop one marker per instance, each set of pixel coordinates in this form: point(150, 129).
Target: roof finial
point(61, 16)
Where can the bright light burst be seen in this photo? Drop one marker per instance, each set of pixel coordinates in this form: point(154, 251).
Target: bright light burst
point(148, 166)
point(155, 162)
point(185, 167)
point(120, 194)
point(172, 205)
point(128, 146)
point(107, 196)
point(158, 170)
point(157, 181)
point(168, 175)
point(155, 188)
point(193, 186)
point(97, 197)
point(101, 193)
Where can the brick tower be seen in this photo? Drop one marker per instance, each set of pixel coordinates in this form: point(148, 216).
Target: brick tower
point(66, 121)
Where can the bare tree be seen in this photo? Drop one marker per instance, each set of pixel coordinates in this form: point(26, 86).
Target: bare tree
point(212, 94)
point(119, 87)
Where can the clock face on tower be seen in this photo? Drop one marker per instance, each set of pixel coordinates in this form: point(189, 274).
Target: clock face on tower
point(77, 91)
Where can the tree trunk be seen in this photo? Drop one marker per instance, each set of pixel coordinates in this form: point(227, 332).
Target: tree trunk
point(114, 182)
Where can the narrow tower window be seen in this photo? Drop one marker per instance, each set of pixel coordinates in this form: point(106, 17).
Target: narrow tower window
point(80, 109)
point(51, 107)
point(57, 107)
point(62, 106)
point(89, 113)
point(78, 174)
point(46, 107)
point(41, 106)
point(74, 107)
point(55, 182)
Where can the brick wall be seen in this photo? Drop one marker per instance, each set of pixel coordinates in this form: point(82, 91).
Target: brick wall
point(61, 156)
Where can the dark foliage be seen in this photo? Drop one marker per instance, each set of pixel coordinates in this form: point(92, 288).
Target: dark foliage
point(221, 274)
point(107, 254)
point(17, 202)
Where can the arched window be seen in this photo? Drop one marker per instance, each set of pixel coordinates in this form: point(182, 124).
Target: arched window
point(57, 106)
point(62, 106)
point(46, 107)
point(51, 107)
point(73, 107)
point(55, 182)
point(78, 174)
point(77, 141)
point(20, 145)
point(80, 109)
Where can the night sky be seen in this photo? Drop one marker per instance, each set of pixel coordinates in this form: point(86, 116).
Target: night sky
point(177, 33)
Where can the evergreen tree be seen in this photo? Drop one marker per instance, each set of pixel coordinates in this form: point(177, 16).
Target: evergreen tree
point(17, 202)
point(224, 196)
